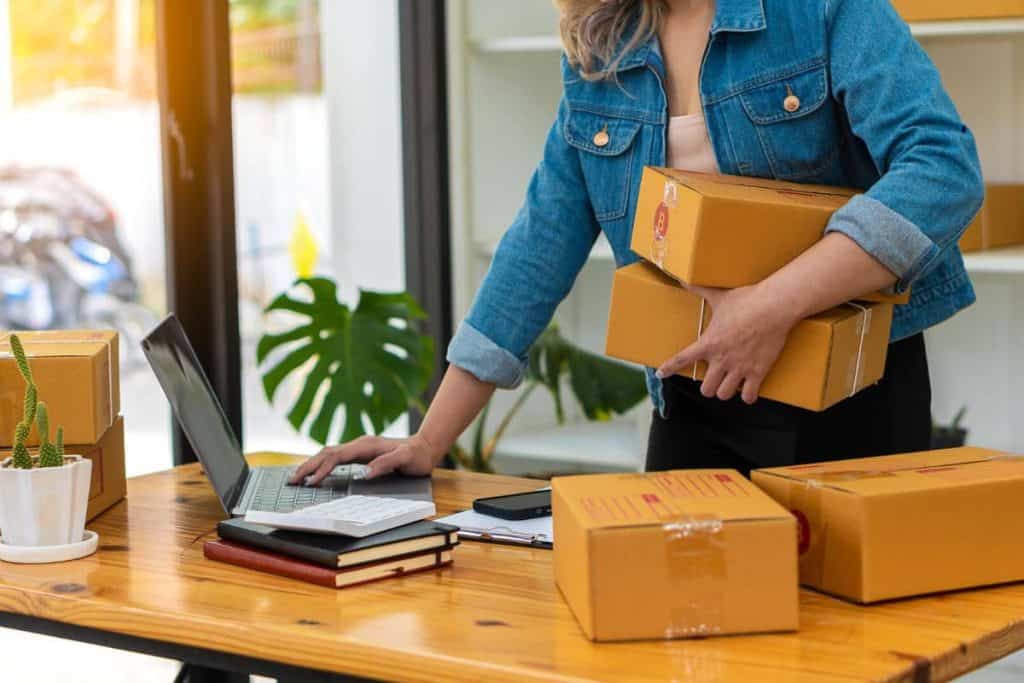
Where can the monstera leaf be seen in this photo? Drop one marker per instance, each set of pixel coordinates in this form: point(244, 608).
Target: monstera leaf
point(371, 362)
point(601, 386)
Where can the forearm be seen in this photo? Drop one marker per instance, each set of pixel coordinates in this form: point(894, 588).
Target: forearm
point(832, 272)
point(458, 401)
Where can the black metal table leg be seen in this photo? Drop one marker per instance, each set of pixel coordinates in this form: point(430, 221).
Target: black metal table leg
point(191, 673)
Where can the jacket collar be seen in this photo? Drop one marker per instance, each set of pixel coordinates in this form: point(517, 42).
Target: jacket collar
point(738, 16)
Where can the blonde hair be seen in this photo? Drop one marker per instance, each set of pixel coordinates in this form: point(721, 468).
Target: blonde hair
point(593, 30)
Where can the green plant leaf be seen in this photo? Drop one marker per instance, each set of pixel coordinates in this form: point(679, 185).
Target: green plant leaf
point(601, 386)
point(370, 362)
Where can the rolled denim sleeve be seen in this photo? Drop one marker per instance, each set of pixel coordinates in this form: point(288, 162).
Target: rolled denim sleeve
point(931, 186)
point(533, 269)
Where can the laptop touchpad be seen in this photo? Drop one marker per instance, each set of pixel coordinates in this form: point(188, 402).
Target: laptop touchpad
point(393, 486)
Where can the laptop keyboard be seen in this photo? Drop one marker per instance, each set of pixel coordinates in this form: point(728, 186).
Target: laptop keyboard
point(274, 496)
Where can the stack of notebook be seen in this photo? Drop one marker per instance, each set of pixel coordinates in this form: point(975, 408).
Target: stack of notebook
point(334, 561)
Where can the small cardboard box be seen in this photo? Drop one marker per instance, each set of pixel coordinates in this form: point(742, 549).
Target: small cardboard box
point(673, 555)
point(937, 10)
point(109, 484)
point(108, 474)
point(1000, 223)
point(894, 526)
point(827, 357)
point(77, 373)
point(730, 231)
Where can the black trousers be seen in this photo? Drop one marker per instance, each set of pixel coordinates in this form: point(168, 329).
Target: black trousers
point(894, 416)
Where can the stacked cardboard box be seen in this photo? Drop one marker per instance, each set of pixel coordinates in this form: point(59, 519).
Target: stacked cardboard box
point(1000, 223)
point(827, 357)
point(894, 526)
point(940, 10)
point(77, 374)
point(724, 231)
point(673, 555)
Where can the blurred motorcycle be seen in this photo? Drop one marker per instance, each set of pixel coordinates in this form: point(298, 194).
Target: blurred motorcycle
point(62, 264)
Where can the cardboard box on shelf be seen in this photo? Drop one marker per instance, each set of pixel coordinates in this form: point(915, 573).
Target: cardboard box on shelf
point(108, 474)
point(827, 357)
point(973, 238)
point(730, 231)
point(944, 10)
point(890, 527)
point(1000, 223)
point(77, 374)
point(673, 555)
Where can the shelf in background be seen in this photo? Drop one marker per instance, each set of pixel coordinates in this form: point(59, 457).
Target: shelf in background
point(920, 29)
point(1005, 260)
point(581, 446)
point(602, 251)
point(512, 44)
point(972, 27)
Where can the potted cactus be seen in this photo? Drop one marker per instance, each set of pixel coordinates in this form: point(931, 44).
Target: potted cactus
point(43, 497)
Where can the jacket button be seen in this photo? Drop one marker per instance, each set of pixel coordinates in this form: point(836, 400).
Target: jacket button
point(791, 103)
point(601, 137)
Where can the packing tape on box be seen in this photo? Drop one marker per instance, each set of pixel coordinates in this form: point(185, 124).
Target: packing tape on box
point(700, 331)
point(863, 327)
point(12, 410)
point(695, 559)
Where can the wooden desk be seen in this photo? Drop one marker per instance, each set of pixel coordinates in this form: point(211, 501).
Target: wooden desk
point(495, 615)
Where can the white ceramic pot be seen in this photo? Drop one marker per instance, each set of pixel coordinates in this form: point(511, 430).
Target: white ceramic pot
point(44, 506)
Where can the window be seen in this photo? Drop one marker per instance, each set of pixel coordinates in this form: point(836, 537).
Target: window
point(81, 204)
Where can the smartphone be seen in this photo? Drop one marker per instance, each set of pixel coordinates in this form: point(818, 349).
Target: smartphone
point(517, 506)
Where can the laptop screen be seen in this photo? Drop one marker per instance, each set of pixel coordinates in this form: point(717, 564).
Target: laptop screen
point(197, 409)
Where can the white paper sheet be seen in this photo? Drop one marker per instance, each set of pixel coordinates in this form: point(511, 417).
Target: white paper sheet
point(474, 525)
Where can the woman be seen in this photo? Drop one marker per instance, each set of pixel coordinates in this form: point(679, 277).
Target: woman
point(834, 92)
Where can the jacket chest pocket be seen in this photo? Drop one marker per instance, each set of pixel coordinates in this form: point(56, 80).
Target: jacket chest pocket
point(794, 120)
point(607, 152)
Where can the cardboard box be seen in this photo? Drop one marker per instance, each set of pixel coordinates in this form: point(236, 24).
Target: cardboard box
point(827, 357)
point(730, 231)
point(673, 555)
point(890, 527)
point(1000, 223)
point(109, 485)
point(77, 373)
point(973, 238)
point(937, 10)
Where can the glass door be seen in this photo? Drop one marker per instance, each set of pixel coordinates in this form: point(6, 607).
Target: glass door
point(317, 167)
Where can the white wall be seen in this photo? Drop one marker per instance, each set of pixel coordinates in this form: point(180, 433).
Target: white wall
point(977, 358)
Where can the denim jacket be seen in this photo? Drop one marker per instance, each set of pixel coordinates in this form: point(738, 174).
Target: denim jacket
point(872, 115)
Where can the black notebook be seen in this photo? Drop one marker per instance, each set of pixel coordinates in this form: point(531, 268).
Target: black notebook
point(342, 551)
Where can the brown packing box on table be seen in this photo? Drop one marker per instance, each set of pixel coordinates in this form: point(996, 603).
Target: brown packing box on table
point(1000, 223)
point(77, 373)
point(673, 555)
point(894, 526)
point(730, 231)
point(938, 10)
point(108, 475)
point(827, 357)
point(109, 484)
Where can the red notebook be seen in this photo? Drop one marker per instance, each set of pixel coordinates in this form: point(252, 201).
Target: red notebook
point(272, 563)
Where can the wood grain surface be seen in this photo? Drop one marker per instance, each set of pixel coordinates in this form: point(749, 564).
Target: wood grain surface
point(496, 614)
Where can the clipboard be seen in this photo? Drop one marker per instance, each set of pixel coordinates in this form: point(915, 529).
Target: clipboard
point(473, 526)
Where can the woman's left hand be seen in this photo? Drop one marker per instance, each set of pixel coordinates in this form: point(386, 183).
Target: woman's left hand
point(740, 345)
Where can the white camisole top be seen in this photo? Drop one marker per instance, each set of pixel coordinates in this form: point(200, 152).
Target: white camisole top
point(689, 147)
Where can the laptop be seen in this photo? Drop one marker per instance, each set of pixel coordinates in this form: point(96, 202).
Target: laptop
point(242, 488)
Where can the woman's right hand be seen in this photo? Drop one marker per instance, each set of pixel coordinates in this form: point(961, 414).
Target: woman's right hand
point(412, 456)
